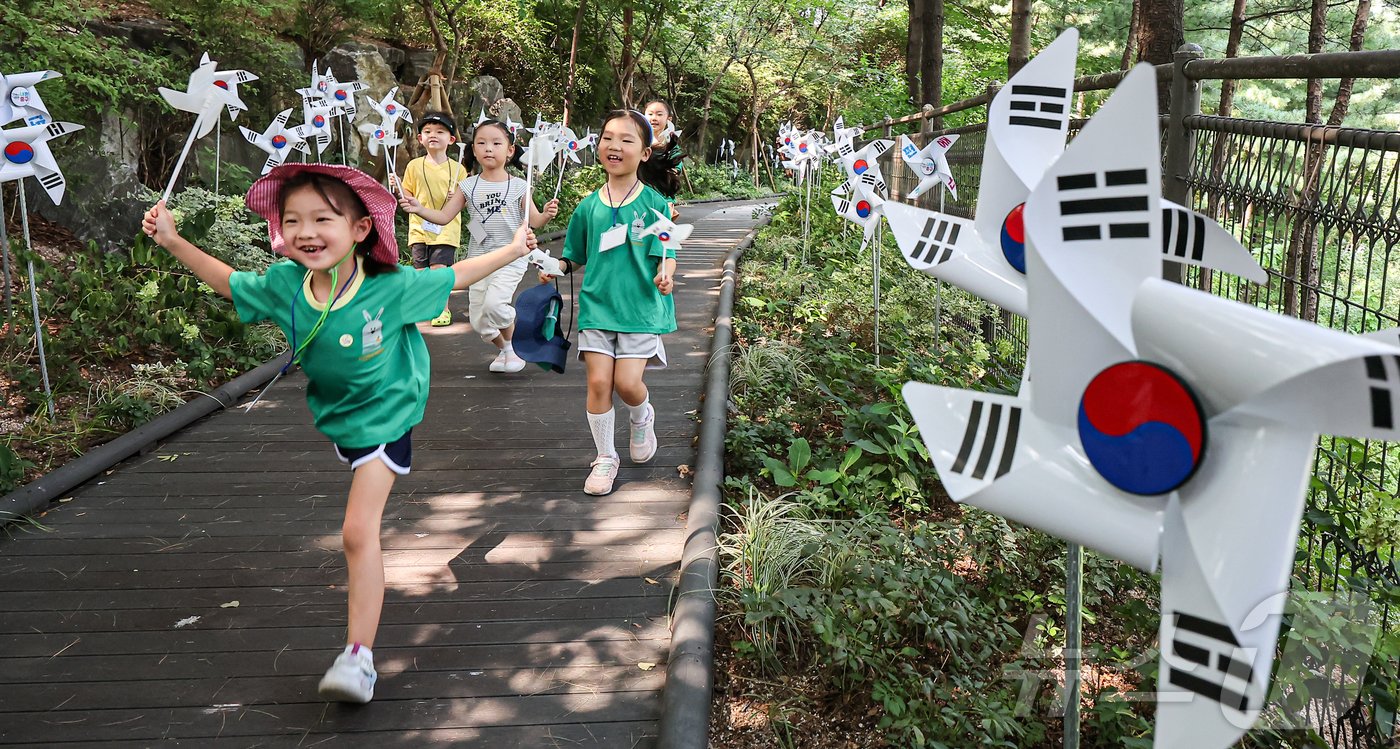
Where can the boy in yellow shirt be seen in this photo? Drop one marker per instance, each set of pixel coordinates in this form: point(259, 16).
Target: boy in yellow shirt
point(432, 179)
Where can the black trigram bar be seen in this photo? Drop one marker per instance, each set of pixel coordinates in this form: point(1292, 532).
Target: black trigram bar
point(1223, 664)
point(880, 148)
point(51, 181)
point(873, 182)
point(1038, 99)
point(1382, 404)
point(56, 128)
point(989, 431)
point(937, 241)
point(1183, 233)
point(243, 77)
point(1106, 204)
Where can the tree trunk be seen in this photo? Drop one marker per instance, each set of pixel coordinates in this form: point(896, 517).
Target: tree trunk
point(573, 60)
point(701, 137)
point(1163, 31)
point(1020, 52)
point(624, 78)
point(753, 122)
point(931, 66)
point(914, 49)
point(1134, 31)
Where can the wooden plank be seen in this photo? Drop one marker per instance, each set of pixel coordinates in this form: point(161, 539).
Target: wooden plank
point(485, 594)
point(297, 719)
point(469, 504)
point(602, 735)
point(445, 684)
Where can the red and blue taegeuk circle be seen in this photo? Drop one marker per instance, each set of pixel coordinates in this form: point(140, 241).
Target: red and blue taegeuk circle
point(1142, 428)
point(19, 153)
point(222, 84)
point(1013, 238)
point(391, 109)
point(379, 134)
point(860, 167)
point(340, 94)
point(318, 121)
point(664, 236)
point(279, 141)
point(863, 208)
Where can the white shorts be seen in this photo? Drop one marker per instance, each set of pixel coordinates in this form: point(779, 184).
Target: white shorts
point(624, 346)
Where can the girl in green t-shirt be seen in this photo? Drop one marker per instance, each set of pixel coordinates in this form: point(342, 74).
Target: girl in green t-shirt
point(625, 303)
point(349, 314)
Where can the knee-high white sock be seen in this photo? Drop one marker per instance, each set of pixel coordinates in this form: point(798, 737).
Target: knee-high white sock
point(602, 427)
point(507, 347)
point(638, 413)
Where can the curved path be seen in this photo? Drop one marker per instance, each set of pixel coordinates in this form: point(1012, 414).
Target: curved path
point(194, 596)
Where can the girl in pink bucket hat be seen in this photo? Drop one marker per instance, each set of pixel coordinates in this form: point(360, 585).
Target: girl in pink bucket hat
point(349, 313)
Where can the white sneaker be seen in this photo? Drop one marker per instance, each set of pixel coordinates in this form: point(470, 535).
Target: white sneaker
point(513, 363)
point(642, 445)
point(351, 678)
point(499, 363)
point(600, 479)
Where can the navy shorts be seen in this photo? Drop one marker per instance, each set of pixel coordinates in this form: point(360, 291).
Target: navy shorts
point(398, 455)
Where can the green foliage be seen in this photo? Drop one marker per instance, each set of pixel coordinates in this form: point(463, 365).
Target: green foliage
point(223, 224)
point(702, 181)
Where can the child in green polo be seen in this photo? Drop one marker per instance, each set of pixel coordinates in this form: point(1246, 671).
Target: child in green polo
point(625, 304)
point(349, 314)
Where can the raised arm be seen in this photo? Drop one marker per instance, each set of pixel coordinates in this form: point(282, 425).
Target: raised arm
point(160, 226)
point(474, 269)
point(539, 218)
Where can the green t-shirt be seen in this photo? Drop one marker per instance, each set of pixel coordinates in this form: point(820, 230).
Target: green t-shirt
point(368, 365)
point(618, 293)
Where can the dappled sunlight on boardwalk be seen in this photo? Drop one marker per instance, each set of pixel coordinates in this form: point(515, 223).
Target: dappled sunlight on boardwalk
point(196, 594)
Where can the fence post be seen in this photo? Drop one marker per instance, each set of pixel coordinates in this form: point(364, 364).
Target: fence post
point(1185, 102)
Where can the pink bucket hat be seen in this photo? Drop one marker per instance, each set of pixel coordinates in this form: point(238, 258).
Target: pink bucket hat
point(265, 199)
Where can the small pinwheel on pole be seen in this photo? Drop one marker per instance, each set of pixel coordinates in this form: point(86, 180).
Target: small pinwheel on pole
point(19, 101)
point(26, 154)
point(538, 155)
point(569, 145)
point(316, 116)
point(208, 93)
point(670, 233)
point(277, 140)
point(929, 164)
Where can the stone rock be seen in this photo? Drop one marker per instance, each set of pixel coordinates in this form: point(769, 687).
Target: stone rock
point(508, 108)
point(417, 63)
point(104, 199)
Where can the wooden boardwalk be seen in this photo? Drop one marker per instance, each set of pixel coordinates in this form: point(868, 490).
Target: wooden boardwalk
point(195, 595)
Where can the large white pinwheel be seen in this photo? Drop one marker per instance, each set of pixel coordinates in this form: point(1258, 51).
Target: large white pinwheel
point(277, 141)
point(24, 152)
point(19, 100)
point(316, 125)
point(859, 202)
point(570, 144)
point(338, 95)
point(1162, 421)
point(380, 135)
point(930, 164)
point(207, 93)
point(540, 152)
point(670, 233)
point(1026, 129)
point(390, 111)
point(864, 161)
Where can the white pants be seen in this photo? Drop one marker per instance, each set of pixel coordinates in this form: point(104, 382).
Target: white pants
point(490, 300)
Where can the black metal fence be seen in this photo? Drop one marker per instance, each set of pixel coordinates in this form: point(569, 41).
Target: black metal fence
point(1320, 209)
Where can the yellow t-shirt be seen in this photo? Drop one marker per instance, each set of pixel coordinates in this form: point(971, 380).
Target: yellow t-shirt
point(432, 184)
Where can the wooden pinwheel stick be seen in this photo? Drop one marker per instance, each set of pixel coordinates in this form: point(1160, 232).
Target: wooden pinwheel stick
point(34, 300)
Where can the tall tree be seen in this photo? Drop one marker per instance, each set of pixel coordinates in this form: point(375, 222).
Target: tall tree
point(931, 58)
point(1134, 31)
point(914, 49)
point(1020, 52)
point(1163, 31)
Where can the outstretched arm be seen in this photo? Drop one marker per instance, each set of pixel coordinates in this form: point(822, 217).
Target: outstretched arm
point(160, 226)
point(539, 218)
point(474, 269)
point(454, 205)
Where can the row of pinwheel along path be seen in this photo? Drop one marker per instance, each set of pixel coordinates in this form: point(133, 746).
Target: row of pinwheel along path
point(1193, 300)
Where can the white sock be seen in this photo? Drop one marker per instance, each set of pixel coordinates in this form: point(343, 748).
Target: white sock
point(508, 348)
point(639, 411)
point(357, 647)
point(602, 427)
